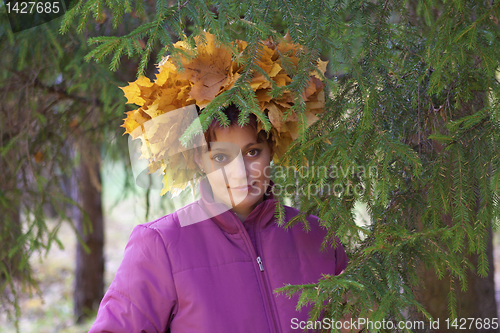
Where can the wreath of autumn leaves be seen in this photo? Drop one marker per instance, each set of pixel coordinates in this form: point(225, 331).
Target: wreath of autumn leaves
point(212, 70)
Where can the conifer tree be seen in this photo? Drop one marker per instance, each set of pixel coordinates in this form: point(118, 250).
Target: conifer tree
point(52, 100)
point(411, 131)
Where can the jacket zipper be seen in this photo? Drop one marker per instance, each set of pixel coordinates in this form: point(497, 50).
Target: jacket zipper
point(262, 280)
point(259, 261)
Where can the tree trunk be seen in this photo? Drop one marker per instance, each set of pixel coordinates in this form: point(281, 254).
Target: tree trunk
point(10, 226)
point(10, 232)
point(89, 272)
point(478, 301)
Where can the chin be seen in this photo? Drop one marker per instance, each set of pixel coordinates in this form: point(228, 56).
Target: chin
point(250, 201)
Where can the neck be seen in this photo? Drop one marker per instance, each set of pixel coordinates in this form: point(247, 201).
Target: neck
point(243, 212)
point(241, 216)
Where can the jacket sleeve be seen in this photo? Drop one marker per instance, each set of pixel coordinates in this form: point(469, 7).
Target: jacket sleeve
point(142, 296)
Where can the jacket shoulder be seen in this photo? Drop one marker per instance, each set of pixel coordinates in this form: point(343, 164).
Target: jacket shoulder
point(317, 233)
point(172, 220)
point(172, 227)
point(313, 220)
point(165, 227)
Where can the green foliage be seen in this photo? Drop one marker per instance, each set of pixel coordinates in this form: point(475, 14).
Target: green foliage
point(51, 98)
point(419, 105)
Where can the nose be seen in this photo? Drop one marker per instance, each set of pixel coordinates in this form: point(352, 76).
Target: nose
point(237, 171)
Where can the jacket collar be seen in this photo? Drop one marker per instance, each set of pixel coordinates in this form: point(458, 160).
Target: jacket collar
point(226, 219)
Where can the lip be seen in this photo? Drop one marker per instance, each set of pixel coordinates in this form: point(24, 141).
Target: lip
point(241, 187)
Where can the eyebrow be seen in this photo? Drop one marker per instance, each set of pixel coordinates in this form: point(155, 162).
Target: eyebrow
point(218, 149)
point(249, 145)
point(244, 148)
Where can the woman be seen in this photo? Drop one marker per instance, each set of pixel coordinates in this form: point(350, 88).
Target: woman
point(219, 274)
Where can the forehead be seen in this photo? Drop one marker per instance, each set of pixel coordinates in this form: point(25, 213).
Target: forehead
point(236, 134)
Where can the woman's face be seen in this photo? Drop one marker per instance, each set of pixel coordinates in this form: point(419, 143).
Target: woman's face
point(237, 167)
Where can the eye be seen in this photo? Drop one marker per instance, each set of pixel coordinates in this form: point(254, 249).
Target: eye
point(219, 158)
point(253, 152)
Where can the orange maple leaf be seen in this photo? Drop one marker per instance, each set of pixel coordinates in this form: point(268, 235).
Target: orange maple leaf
point(209, 70)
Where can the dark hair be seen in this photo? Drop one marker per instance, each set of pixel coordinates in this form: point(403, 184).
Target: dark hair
point(232, 112)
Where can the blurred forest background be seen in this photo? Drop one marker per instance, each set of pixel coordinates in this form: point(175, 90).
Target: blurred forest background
point(413, 91)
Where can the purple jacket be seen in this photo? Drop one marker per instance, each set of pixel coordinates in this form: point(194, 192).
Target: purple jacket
point(217, 275)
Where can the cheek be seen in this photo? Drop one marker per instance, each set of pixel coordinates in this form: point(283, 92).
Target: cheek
point(260, 169)
point(205, 162)
point(217, 181)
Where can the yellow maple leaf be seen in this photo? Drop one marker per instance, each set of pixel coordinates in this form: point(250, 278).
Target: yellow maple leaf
point(282, 144)
point(262, 95)
point(310, 117)
point(322, 68)
point(140, 92)
point(290, 115)
point(208, 70)
point(135, 119)
point(154, 166)
point(189, 159)
point(182, 97)
point(289, 50)
point(166, 100)
point(140, 116)
point(316, 102)
point(265, 60)
point(152, 110)
point(293, 129)
point(315, 106)
point(285, 101)
point(144, 82)
point(282, 79)
point(202, 104)
point(259, 82)
point(129, 124)
point(276, 117)
point(275, 69)
point(167, 70)
point(230, 83)
point(133, 94)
